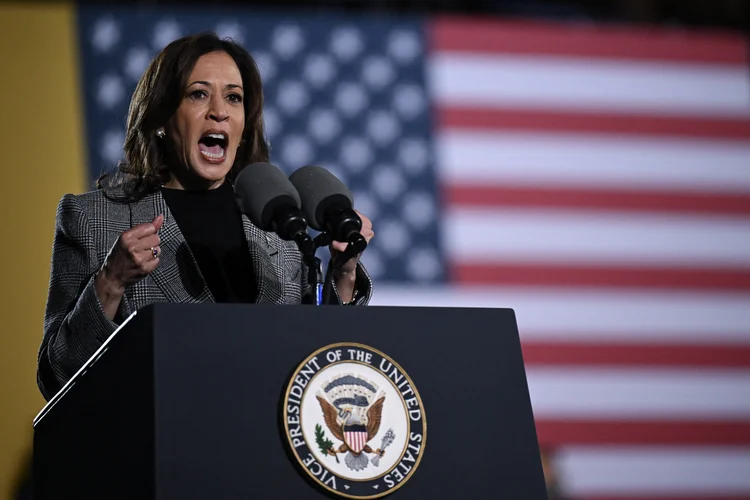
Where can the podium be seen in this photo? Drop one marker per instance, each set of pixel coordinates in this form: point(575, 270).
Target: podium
point(187, 402)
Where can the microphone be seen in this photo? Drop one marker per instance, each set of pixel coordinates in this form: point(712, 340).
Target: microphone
point(328, 206)
point(272, 203)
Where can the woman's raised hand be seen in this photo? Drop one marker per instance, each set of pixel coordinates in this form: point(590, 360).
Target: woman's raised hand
point(133, 256)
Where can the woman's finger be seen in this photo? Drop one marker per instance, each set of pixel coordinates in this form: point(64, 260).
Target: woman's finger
point(153, 261)
point(148, 242)
point(339, 246)
point(141, 230)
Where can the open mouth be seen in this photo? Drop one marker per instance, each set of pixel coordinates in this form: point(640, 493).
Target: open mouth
point(213, 146)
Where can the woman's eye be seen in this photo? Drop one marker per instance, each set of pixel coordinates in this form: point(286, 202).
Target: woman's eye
point(235, 98)
point(198, 94)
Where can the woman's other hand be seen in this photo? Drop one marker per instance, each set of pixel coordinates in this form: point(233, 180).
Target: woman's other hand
point(345, 273)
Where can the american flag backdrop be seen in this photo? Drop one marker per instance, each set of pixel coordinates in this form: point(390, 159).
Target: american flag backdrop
point(596, 179)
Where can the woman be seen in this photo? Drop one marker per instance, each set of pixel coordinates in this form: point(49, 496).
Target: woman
point(166, 227)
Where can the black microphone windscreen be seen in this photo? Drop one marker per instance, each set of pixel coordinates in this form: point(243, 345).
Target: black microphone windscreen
point(319, 190)
point(260, 189)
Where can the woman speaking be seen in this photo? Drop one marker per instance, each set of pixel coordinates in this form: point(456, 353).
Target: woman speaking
point(166, 227)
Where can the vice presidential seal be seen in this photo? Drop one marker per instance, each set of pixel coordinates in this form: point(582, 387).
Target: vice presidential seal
point(354, 421)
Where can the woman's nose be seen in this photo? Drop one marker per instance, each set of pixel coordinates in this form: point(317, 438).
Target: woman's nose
point(217, 110)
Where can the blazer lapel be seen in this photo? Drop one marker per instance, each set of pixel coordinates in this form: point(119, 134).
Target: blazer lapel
point(266, 252)
point(177, 274)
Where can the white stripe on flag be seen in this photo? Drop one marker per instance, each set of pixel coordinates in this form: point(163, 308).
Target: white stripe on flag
point(578, 160)
point(599, 315)
point(570, 236)
point(650, 471)
point(668, 394)
point(578, 83)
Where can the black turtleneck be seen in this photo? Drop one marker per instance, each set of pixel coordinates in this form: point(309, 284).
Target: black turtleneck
point(211, 223)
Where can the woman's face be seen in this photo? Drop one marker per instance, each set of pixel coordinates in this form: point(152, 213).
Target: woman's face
point(207, 128)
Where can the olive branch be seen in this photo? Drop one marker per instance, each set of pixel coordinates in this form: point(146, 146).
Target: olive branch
point(325, 444)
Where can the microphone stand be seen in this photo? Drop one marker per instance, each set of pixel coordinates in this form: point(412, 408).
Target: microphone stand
point(315, 275)
point(322, 287)
point(308, 247)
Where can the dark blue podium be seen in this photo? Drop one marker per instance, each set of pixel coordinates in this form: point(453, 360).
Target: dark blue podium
point(184, 402)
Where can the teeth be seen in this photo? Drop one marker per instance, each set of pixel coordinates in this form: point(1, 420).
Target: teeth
point(217, 136)
point(212, 156)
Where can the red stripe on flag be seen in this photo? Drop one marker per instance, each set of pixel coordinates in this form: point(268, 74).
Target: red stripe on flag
point(605, 276)
point(635, 354)
point(593, 123)
point(471, 195)
point(605, 42)
point(598, 432)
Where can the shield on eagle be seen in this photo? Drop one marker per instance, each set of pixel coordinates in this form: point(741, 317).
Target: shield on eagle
point(355, 437)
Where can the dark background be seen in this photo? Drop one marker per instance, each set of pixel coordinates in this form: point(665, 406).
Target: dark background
point(734, 14)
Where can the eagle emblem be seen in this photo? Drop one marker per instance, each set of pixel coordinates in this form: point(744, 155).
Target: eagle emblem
point(352, 409)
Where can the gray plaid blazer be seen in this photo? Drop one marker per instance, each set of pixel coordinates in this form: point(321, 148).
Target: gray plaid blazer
point(88, 225)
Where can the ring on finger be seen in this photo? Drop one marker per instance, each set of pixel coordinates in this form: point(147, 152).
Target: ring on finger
point(155, 252)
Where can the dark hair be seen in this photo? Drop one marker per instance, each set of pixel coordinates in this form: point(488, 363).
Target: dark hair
point(156, 99)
